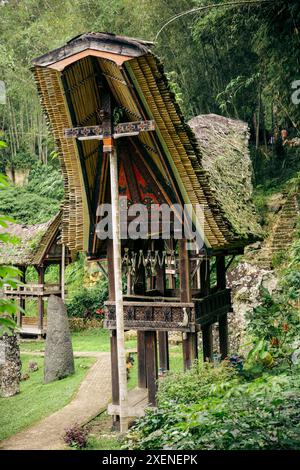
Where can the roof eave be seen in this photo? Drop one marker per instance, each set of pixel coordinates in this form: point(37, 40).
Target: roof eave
point(106, 43)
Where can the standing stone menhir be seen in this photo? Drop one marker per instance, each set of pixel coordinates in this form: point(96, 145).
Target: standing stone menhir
point(10, 366)
point(59, 360)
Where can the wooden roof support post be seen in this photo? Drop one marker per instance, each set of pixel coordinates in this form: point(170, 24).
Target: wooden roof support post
point(163, 341)
point(151, 365)
point(22, 299)
point(117, 263)
point(113, 337)
point(223, 321)
point(189, 340)
point(207, 336)
point(41, 306)
point(62, 271)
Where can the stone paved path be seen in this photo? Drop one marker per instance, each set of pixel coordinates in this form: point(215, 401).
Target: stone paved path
point(92, 397)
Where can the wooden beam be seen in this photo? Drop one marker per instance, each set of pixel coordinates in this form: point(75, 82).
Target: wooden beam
point(223, 336)
point(141, 356)
point(41, 280)
point(22, 299)
point(223, 320)
point(151, 365)
point(114, 375)
point(117, 263)
point(122, 129)
point(110, 269)
point(221, 272)
point(163, 341)
point(163, 348)
point(207, 337)
point(95, 199)
point(113, 337)
point(189, 340)
point(62, 272)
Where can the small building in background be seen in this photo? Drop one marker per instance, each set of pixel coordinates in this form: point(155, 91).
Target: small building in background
point(38, 246)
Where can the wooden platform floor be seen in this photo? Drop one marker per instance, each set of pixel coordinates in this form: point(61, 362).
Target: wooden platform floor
point(31, 331)
point(137, 403)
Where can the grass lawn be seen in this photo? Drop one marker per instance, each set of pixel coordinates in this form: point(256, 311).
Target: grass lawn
point(94, 340)
point(38, 400)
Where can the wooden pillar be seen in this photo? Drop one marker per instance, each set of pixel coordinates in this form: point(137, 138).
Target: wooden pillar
point(141, 356)
point(139, 287)
point(62, 271)
point(41, 280)
point(151, 365)
point(163, 344)
point(189, 340)
point(22, 302)
point(114, 376)
point(223, 321)
point(207, 337)
point(117, 263)
point(163, 348)
point(113, 336)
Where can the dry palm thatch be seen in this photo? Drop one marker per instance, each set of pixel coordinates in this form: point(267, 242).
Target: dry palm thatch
point(226, 158)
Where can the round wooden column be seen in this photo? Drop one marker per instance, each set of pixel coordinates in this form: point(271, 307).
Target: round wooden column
point(41, 280)
point(189, 340)
point(223, 321)
point(207, 337)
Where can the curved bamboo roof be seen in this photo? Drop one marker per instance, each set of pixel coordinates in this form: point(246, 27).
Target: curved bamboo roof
point(67, 81)
point(33, 242)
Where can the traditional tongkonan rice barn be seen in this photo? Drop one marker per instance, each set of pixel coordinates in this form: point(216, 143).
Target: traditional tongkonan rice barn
point(119, 131)
point(38, 246)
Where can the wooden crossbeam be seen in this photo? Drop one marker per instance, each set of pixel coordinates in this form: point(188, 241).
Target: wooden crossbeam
point(122, 129)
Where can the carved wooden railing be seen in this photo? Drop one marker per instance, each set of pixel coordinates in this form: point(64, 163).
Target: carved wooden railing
point(144, 313)
point(210, 308)
point(163, 316)
point(31, 290)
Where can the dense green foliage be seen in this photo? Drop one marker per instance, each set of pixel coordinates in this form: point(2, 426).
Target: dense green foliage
point(223, 408)
point(8, 274)
point(46, 181)
point(26, 207)
point(239, 60)
point(254, 407)
point(88, 301)
point(263, 414)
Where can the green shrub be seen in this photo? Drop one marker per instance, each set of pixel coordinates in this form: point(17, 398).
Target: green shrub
point(263, 414)
point(88, 302)
point(273, 325)
point(194, 384)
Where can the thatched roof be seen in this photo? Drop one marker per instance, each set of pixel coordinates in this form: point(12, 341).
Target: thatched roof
point(33, 242)
point(224, 145)
point(70, 94)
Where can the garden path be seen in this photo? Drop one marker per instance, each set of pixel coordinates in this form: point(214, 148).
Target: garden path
point(93, 396)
